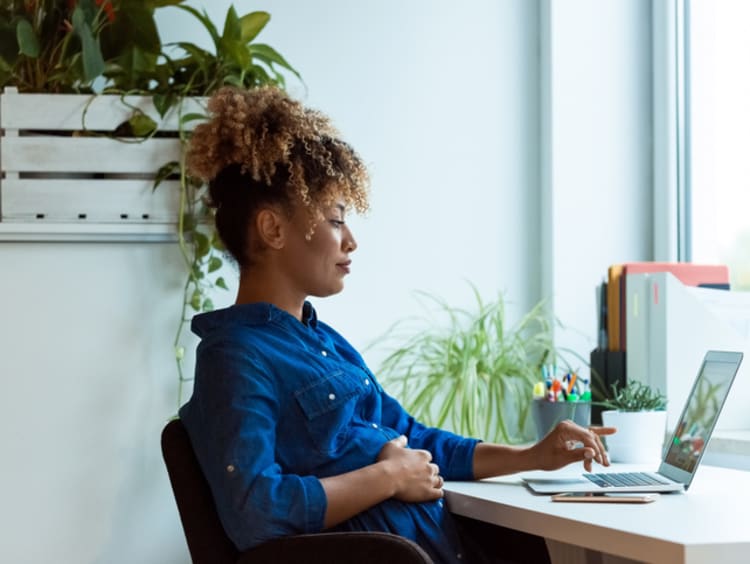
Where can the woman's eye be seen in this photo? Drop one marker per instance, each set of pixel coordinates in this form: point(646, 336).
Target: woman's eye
point(336, 222)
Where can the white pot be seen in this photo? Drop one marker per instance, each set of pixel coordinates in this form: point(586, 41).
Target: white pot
point(639, 437)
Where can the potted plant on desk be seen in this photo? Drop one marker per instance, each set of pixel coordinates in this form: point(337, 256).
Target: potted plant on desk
point(638, 412)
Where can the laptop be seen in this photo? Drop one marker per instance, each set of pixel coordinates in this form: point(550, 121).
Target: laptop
point(686, 447)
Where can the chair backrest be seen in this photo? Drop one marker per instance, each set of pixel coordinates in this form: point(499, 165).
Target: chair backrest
point(207, 541)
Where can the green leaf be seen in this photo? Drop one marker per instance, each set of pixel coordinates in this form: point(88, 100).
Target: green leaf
point(192, 117)
point(142, 125)
point(252, 24)
point(195, 300)
point(28, 44)
point(208, 305)
point(221, 283)
point(165, 171)
point(232, 48)
point(269, 55)
point(8, 45)
point(134, 67)
point(164, 3)
point(214, 264)
point(206, 21)
point(235, 52)
point(198, 56)
point(233, 80)
point(202, 245)
point(193, 50)
point(232, 27)
point(163, 102)
point(93, 62)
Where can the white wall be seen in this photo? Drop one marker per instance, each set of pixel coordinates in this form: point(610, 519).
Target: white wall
point(442, 104)
point(449, 106)
point(597, 172)
point(88, 383)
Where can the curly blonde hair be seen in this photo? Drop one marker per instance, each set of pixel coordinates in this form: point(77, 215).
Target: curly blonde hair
point(259, 147)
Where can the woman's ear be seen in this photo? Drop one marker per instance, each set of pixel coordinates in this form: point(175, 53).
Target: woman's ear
point(270, 225)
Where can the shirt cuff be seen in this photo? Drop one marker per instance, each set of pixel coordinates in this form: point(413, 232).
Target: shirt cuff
point(316, 504)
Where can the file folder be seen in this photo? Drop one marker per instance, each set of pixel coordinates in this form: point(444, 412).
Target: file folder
point(679, 323)
point(692, 274)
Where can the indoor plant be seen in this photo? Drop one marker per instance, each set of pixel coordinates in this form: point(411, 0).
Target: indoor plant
point(638, 412)
point(112, 49)
point(470, 371)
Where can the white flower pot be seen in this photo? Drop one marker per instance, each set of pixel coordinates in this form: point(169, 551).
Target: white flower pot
point(639, 437)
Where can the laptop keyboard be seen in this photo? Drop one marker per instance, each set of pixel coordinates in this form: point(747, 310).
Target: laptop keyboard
point(623, 479)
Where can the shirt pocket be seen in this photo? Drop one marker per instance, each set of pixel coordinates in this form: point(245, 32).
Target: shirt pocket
point(328, 405)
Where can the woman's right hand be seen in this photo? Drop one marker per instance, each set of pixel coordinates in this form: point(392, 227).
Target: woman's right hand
point(415, 477)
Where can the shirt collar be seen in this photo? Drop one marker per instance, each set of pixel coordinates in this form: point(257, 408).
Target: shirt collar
point(258, 313)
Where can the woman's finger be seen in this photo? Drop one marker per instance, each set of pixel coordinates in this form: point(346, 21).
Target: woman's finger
point(599, 431)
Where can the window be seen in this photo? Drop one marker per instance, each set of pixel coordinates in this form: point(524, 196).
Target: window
point(717, 141)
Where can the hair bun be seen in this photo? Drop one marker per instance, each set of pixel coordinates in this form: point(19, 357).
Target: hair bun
point(256, 129)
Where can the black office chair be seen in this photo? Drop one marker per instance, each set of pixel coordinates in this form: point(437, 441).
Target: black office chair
point(208, 543)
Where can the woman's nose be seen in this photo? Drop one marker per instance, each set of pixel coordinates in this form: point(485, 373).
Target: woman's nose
point(350, 243)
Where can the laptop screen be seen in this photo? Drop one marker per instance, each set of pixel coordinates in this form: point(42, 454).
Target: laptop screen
point(704, 404)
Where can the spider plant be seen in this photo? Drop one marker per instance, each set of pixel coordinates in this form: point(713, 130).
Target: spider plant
point(472, 371)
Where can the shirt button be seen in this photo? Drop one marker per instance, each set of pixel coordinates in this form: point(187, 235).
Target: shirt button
point(230, 468)
point(367, 382)
point(324, 353)
point(331, 397)
point(459, 556)
point(374, 425)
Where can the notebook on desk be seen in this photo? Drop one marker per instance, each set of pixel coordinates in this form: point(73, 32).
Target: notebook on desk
point(686, 446)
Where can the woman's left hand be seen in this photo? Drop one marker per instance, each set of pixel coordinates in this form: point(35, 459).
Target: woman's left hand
point(568, 443)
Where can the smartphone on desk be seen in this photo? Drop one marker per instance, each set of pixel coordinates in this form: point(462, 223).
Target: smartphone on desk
point(606, 497)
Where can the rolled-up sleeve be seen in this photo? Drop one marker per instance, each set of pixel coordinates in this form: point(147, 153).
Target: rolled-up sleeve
point(231, 420)
point(453, 453)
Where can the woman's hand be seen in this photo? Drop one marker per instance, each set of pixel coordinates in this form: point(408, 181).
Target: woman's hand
point(415, 477)
point(568, 443)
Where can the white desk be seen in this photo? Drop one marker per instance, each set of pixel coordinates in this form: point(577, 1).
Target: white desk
point(710, 523)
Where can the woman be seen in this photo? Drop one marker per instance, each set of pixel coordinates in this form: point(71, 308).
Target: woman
point(292, 430)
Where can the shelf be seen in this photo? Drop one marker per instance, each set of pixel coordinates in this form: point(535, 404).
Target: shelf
point(88, 232)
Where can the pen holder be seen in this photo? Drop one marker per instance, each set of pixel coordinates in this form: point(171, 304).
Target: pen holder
point(547, 414)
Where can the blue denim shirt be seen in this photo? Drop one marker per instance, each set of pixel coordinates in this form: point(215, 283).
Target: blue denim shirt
point(278, 404)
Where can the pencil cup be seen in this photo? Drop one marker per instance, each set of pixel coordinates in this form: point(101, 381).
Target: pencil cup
point(547, 414)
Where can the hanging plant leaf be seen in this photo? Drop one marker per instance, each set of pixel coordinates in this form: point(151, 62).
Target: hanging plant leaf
point(214, 264)
point(201, 242)
point(163, 102)
point(167, 170)
point(195, 300)
point(142, 125)
point(192, 117)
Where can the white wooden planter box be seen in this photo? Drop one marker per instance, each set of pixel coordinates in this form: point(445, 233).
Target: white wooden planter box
point(59, 184)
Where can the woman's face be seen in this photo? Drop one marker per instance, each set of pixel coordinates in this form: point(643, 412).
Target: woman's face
point(318, 262)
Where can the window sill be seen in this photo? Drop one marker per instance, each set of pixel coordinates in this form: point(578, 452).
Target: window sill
point(730, 449)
